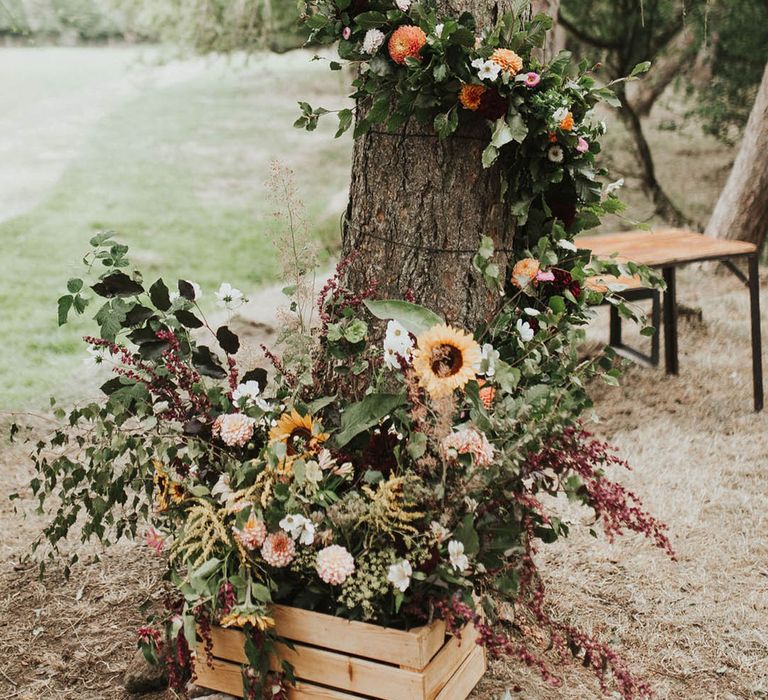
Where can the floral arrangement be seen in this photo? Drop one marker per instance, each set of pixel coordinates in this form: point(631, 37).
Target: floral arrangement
point(447, 74)
point(386, 465)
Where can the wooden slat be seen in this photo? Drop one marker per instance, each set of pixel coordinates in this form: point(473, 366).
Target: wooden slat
point(466, 677)
point(447, 660)
point(414, 648)
point(664, 246)
point(226, 677)
point(338, 670)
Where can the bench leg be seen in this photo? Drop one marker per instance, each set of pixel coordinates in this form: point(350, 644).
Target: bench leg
point(757, 349)
point(614, 338)
point(670, 322)
point(656, 323)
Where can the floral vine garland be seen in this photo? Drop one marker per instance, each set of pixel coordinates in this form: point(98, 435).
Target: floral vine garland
point(445, 72)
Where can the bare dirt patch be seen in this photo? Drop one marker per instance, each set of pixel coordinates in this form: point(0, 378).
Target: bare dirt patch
point(697, 628)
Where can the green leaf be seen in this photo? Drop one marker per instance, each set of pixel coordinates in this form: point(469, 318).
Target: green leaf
point(206, 568)
point(490, 154)
point(414, 318)
point(417, 445)
point(640, 68)
point(160, 296)
point(446, 123)
point(467, 535)
point(365, 414)
point(370, 20)
point(518, 128)
point(65, 304)
point(74, 285)
point(345, 121)
point(501, 135)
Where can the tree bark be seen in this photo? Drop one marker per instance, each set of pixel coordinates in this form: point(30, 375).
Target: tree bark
point(555, 42)
point(741, 212)
point(419, 207)
point(644, 93)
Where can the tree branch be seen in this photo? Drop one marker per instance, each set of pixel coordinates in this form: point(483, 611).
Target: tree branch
point(597, 42)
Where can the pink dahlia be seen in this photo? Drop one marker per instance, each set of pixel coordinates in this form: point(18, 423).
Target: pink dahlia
point(471, 442)
point(278, 549)
point(252, 534)
point(335, 564)
point(234, 429)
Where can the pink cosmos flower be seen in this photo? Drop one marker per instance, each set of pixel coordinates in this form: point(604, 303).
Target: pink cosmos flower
point(582, 146)
point(347, 32)
point(532, 79)
point(548, 276)
point(155, 540)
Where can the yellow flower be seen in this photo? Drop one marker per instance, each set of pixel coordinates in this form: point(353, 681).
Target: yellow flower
point(508, 60)
point(471, 95)
point(239, 619)
point(445, 359)
point(297, 432)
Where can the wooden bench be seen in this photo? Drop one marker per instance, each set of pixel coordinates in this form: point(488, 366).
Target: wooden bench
point(668, 249)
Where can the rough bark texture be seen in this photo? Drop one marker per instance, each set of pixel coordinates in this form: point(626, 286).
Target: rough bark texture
point(644, 93)
point(741, 212)
point(555, 42)
point(419, 207)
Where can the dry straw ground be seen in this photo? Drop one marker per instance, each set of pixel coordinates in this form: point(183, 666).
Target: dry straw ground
point(697, 628)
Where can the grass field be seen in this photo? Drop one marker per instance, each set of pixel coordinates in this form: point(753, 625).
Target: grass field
point(173, 157)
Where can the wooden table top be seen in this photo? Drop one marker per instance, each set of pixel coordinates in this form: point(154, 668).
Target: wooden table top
point(663, 247)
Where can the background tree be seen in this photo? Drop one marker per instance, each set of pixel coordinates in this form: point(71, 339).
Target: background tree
point(742, 209)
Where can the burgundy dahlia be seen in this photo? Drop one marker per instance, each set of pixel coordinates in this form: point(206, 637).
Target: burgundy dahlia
point(492, 105)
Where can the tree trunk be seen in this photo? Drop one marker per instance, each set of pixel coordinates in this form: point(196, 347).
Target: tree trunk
point(419, 207)
point(555, 42)
point(644, 93)
point(741, 212)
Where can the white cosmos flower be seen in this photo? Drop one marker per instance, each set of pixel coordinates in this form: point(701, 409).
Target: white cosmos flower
point(439, 30)
point(614, 187)
point(560, 114)
point(524, 330)
point(567, 245)
point(486, 70)
point(488, 359)
point(222, 489)
point(229, 297)
point(96, 356)
point(456, 554)
point(399, 575)
point(556, 154)
point(249, 391)
point(372, 41)
point(397, 341)
point(299, 528)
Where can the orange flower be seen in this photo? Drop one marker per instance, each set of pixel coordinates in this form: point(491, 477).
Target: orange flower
point(406, 42)
point(508, 60)
point(487, 393)
point(552, 137)
point(567, 123)
point(470, 96)
point(524, 272)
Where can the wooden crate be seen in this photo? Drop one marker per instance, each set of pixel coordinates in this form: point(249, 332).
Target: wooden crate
point(342, 660)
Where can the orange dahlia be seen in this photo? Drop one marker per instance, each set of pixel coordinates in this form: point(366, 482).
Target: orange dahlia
point(406, 42)
point(471, 96)
point(567, 123)
point(508, 60)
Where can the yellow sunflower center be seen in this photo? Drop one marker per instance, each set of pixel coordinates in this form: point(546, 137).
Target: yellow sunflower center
point(446, 360)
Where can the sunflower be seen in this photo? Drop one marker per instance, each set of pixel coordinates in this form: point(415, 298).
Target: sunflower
point(299, 433)
point(445, 359)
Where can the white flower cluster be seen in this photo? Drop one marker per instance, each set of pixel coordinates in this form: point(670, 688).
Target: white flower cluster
point(397, 342)
point(247, 394)
point(299, 528)
point(372, 41)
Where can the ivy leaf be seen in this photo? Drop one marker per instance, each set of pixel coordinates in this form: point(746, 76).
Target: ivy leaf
point(365, 414)
point(188, 319)
point(518, 128)
point(206, 363)
point(345, 121)
point(502, 135)
point(65, 304)
point(159, 295)
point(414, 318)
point(446, 123)
point(118, 284)
point(229, 342)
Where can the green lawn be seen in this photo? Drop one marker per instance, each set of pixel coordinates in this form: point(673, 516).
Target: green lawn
point(178, 169)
